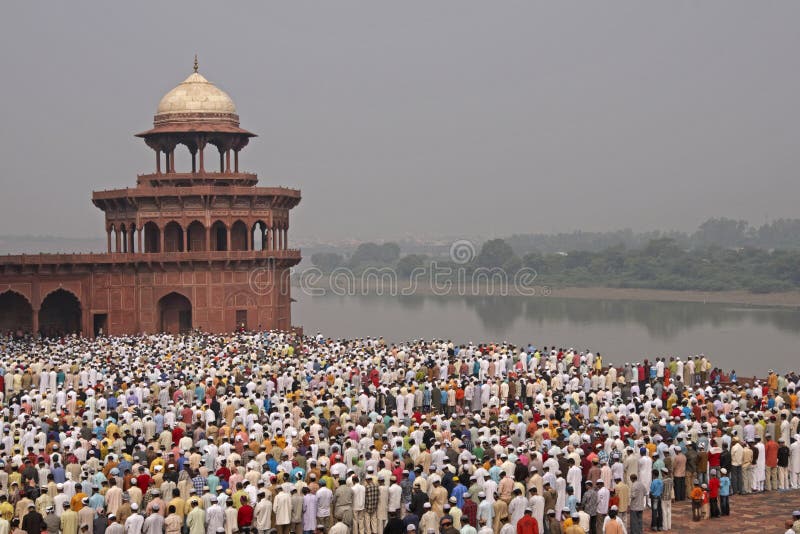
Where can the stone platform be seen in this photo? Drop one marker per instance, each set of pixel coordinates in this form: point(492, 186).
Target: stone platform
point(764, 513)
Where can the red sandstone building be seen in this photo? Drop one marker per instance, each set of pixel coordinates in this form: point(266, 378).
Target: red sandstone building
point(201, 248)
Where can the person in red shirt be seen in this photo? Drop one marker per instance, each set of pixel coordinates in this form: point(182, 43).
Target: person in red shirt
point(713, 493)
point(143, 480)
point(527, 524)
point(469, 511)
point(244, 517)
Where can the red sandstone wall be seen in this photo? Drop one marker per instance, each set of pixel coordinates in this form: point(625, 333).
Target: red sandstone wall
point(130, 299)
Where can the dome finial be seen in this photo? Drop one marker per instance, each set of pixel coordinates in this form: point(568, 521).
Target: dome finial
point(195, 63)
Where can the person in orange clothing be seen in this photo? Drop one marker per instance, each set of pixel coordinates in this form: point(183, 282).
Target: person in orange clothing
point(527, 524)
point(76, 502)
point(771, 460)
point(697, 502)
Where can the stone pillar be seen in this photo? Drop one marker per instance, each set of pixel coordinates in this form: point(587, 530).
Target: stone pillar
point(109, 240)
point(139, 236)
point(158, 161)
point(35, 321)
point(186, 237)
point(285, 238)
point(236, 161)
point(117, 235)
point(208, 238)
point(133, 238)
point(250, 245)
point(228, 160)
point(228, 238)
point(161, 236)
point(201, 145)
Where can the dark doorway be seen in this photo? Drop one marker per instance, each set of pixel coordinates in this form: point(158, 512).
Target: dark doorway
point(100, 324)
point(175, 314)
point(16, 314)
point(219, 237)
point(241, 320)
point(60, 314)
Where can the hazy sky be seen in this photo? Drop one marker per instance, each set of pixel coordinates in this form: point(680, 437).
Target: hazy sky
point(419, 117)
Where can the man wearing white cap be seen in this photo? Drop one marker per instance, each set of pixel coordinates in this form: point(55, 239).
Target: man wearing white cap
point(134, 523)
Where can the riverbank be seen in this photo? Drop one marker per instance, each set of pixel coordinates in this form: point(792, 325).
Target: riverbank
point(786, 299)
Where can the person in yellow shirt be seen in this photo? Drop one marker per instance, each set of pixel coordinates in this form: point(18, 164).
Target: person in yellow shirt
point(6, 509)
point(159, 460)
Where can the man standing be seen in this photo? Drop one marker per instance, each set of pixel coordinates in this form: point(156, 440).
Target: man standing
point(747, 467)
point(359, 499)
point(603, 496)
point(623, 491)
point(713, 494)
point(371, 496)
point(783, 465)
point(589, 504)
point(794, 461)
point(679, 474)
point(196, 520)
point(527, 524)
point(737, 457)
point(656, 491)
point(724, 492)
point(760, 473)
point(638, 500)
point(33, 522)
point(666, 500)
point(771, 463)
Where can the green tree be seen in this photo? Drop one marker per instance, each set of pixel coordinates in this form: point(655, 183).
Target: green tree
point(327, 261)
point(494, 253)
point(407, 264)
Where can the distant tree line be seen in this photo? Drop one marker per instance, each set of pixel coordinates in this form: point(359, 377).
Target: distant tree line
point(721, 232)
point(723, 254)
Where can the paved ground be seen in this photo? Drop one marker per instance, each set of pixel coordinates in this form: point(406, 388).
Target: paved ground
point(764, 513)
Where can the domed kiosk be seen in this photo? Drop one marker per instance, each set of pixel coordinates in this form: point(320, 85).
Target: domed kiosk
point(197, 248)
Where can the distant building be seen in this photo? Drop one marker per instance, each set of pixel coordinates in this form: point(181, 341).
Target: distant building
point(187, 248)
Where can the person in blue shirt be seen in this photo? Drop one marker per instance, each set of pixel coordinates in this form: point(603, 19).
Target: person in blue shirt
point(572, 501)
point(724, 492)
point(458, 492)
point(656, 490)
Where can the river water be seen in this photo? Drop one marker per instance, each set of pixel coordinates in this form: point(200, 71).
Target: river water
point(750, 340)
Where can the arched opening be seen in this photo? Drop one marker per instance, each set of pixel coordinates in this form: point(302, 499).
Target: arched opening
point(239, 236)
point(173, 237)
point(175, 313)
point(260, 235)
point(60, 314)
point(152, 237)
point(16, 314)
point(123, 240)
point(219, 236)
point(196, 236)
point(183, 158)
point(132, 239)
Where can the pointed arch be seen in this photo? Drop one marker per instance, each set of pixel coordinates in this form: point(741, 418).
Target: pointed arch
point(60, 313)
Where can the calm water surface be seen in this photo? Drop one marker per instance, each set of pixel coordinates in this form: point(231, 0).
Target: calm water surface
point(749, 339)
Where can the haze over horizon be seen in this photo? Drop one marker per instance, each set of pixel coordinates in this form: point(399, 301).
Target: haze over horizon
point(437, 119)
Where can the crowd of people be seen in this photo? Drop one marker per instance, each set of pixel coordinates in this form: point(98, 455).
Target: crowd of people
point(255, 433)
